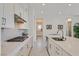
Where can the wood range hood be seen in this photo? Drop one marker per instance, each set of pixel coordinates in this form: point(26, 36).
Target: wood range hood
point(18, 19)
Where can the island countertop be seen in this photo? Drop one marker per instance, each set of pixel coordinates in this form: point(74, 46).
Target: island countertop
point(11, 48)
point(71, 45)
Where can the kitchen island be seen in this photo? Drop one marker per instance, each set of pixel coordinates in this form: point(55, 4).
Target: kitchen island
point(68, 47)
point(12, 48)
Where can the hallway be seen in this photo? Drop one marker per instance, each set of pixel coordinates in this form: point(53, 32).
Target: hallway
point(39, 52)
point(39, 48)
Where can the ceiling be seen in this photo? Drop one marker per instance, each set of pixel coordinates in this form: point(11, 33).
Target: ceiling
point(55, 9)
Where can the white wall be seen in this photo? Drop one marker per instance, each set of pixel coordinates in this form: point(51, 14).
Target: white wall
point(52, 16)
point(54, 22)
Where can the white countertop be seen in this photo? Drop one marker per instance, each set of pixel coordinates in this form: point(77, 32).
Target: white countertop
point(11, 48)
point(71, 45)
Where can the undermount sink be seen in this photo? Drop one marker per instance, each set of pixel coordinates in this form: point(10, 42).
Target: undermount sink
point(58, 39)
point(17, 39)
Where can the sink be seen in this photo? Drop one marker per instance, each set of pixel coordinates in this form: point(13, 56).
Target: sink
point(17, 39)
point(58, 39)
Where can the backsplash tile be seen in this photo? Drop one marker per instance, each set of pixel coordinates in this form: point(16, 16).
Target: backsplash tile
point(10, 33)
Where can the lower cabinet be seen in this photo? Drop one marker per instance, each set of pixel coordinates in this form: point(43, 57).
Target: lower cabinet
point(56, 50)
point(25, 50)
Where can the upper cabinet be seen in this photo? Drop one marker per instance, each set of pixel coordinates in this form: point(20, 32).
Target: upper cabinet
point(1, 13)
point(17, 9)
point(7, 13)
point(22, 12)
point(7, 17)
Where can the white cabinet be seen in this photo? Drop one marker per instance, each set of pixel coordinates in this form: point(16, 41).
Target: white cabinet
point(1, 13)
point(7, 12)
point(2, 18)
point(17, 9)
point(22, 11)
point(25, 50)
point(7, 16)
point(56, 50)
point(50, 48)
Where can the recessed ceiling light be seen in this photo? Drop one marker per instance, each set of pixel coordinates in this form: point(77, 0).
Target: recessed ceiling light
point(69, 4)
point(43, 4)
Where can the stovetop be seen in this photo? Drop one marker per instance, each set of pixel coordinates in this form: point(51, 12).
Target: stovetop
point(17, 39)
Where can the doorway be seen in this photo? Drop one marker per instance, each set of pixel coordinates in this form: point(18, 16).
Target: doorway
point(69, 25)
point(39, 28)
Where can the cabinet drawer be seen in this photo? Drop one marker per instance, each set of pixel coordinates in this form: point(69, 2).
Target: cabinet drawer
point(60, 52)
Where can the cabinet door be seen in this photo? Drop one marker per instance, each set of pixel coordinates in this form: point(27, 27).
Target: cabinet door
point(54, 49)
point(17, 9)
point(8, 15)
point(58, 50)
point(51, 48)
point(23, 51)
point(24, 15)
point(1, 14)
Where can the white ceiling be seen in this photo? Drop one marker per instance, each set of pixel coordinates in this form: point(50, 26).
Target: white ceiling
point(55, 9)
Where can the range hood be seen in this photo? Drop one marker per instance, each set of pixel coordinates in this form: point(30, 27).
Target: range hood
point(18, 19)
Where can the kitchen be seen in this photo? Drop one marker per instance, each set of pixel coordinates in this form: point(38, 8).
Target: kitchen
point(26, 28)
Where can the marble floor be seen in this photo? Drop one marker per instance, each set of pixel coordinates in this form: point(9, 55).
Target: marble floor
point(39, 48)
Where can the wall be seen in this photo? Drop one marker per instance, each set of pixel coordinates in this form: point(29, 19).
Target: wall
point(55, 14)
point(54, 21)
point(50, 17)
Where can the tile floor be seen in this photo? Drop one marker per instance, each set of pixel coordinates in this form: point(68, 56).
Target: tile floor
point(39, 48)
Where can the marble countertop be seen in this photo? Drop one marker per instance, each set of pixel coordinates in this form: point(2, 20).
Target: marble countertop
point(11, 48)
point(71, 45)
